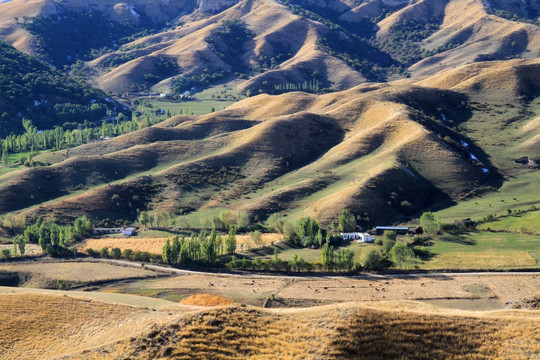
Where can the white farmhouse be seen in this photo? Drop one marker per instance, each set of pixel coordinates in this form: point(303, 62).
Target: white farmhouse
point(358, 236)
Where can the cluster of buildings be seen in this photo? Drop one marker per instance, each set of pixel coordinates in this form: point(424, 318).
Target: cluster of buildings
point(128, 231)
point(364, 237)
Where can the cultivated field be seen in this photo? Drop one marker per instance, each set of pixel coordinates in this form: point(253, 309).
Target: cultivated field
point(44, 274)
point(155, 244)
point(481, 250)
point(302, 291)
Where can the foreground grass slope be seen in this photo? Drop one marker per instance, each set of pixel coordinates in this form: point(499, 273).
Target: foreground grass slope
point(344, 331)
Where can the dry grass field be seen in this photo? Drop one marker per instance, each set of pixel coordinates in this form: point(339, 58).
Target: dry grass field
point(206, 300)
point(373, 318)
point(30, 249)
point(36, 326)
point(476, 291)
point(485, 260)
point(346, 331)
point(47, 274)
point(155, 244)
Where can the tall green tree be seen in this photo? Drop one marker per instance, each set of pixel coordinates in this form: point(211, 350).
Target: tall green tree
point(401, 254)
point(166, 252)
point(430, 223)
point(327, 256)
point(346, 221)
point(389, 240)
point(230, 242)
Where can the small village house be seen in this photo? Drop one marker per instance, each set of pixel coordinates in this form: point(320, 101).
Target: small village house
point(358, 236)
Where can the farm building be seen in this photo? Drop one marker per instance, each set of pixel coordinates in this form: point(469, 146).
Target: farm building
point(398, 229)
point(358, 236)
point(102, 231)
point(129, 231)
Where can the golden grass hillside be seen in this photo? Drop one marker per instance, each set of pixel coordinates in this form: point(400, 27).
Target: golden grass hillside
point(155, 245)
point(46, 326)
point(386, 151)
point(346, 331)
point(346, 149)
point(466, 34)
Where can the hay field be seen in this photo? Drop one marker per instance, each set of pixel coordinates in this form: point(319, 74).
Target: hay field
point(155, 244)
point(481, 260)
point(74, 272)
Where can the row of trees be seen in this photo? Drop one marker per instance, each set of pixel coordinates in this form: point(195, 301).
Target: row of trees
point(166, 220)
point(201, 248)
point(53, 237)
point(59, 137)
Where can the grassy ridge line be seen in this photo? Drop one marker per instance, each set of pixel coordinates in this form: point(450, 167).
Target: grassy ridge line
point(334, 332)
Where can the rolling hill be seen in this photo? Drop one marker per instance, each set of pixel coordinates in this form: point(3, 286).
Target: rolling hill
point(385, 151)
point(292, 44)
point(438, 104)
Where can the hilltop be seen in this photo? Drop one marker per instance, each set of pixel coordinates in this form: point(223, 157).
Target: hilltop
point(272, 46)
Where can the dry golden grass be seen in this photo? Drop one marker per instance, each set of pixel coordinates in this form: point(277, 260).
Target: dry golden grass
point(155, 245)
point(503, 287)
point(76, 272)
point(206, 300)
point(345, 331)
point(151, 245)
point(44, 326)
point(30, 249)
point(266, 239)
point(484, 260)
point(47, 326)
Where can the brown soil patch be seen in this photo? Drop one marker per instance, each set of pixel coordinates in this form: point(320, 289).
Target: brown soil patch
point(206, 300)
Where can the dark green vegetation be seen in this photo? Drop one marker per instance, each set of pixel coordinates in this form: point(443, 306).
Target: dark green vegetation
point(226, 41)
point(405, 37)
point(69, 35)
point(30, 88)
point(522, 11)
point(357, 44)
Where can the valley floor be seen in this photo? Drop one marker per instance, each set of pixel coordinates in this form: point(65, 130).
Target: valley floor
point(117, 316)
